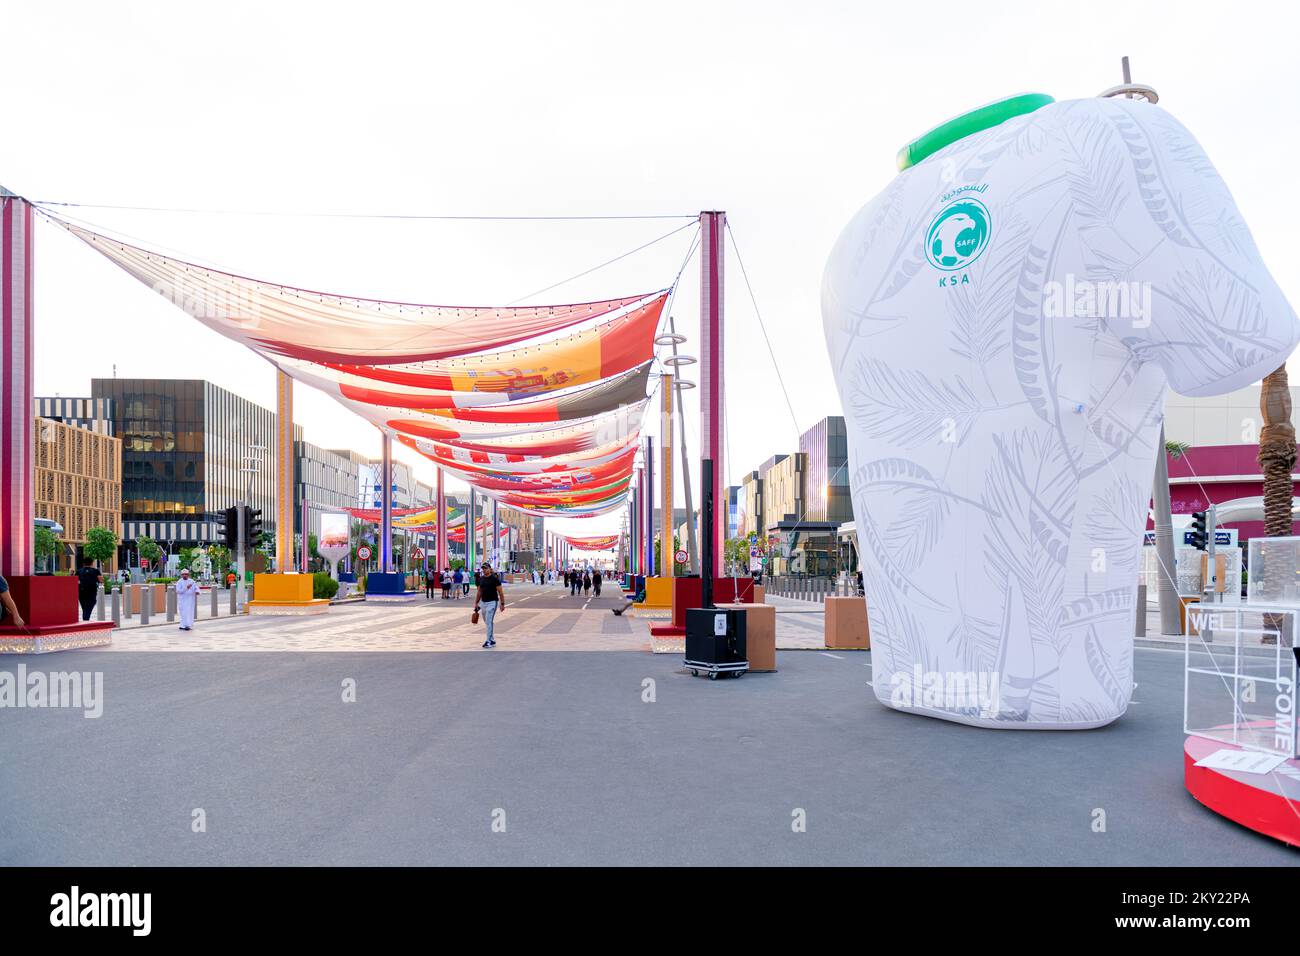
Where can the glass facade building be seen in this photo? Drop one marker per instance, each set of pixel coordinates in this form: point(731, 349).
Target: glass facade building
point(186, 445)
point(826, 481)
point(327, 479)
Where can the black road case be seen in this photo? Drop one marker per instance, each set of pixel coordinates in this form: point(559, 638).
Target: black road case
point(715, 641)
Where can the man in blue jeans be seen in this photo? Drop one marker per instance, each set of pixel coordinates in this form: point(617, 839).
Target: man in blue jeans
point(490, 599)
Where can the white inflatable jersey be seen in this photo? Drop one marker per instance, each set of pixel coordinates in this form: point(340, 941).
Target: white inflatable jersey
point(1003, 320)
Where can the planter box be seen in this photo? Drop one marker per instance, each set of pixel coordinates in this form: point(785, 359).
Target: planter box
point(846, 623)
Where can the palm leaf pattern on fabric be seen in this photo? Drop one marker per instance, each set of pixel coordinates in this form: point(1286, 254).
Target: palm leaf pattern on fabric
point(1116, 685)
point(920, 504)
point(1094, 171)
point(979, 317)
point(1031, 486)
point(1161, 203)
point(1114, 523)
point(906, 408)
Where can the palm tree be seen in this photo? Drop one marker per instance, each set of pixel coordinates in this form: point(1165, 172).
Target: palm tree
point(1277, 452)
point(1277, 455)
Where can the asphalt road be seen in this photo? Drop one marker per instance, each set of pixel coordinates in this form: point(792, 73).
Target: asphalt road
point(562, 748)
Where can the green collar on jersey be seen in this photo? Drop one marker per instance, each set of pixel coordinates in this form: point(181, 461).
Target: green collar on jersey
point(999, 111)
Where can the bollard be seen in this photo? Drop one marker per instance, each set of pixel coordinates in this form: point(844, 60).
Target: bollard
point(117, 608)
point(1141, 629)
point(234, 595)
point(127, 592)
point(145, 606)
point(99, 603)
point(171, 603)
point(213, 592)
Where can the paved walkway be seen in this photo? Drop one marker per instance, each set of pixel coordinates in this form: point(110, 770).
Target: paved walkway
point(536, 619)
point(357, 759)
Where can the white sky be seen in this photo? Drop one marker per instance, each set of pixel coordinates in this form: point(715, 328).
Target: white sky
point(788, 116)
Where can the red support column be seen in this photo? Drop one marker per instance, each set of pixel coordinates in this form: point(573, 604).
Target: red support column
point(46, 603)
point(17, 555)
point(712, 392)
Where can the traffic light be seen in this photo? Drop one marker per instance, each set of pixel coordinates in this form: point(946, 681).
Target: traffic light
point(253, 528)
point(1199, 536)
point(230, 529)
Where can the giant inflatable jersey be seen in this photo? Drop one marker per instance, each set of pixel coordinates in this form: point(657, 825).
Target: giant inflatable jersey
point(1003, 321)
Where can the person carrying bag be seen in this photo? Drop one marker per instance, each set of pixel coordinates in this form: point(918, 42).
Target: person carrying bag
point(490, 599)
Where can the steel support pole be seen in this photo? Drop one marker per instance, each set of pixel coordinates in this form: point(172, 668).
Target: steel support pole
point(712, 394)
point(1166, 580)
point(666, 563)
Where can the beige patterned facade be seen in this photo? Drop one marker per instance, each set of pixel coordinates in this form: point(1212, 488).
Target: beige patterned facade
point(78, 482)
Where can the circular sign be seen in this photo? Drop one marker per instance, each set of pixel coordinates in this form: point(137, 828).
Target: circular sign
point(958, 234)
point(681, 557)
point(363, 553)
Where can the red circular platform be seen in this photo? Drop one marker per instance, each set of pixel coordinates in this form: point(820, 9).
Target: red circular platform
point(1268, 803)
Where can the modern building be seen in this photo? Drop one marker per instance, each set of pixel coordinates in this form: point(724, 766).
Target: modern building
point(78, 484)
point(190, 449)
point(95, 415)
point(783, 493)
point(327, 479)
point(795, 503)
point(403, 484)
point(1221, 461)
point(734, 507)
point(751, 516)
point(827, 500)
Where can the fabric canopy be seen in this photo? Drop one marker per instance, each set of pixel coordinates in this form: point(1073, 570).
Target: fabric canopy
point(326, 327)
point(602, 543)
point(498, 463)
point(587, 356)
point(548, 426)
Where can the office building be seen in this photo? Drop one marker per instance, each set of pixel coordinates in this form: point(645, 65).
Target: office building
point(78, 485)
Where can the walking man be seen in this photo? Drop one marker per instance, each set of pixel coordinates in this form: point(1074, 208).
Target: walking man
point(490, 599)
point(187, 599)
point(88, 581)
point(430, 582)
point(596, 581)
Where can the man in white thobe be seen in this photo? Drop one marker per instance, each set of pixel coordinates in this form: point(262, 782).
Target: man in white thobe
point(187, 599)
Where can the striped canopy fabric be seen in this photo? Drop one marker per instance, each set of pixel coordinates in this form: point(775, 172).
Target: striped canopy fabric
point(538, 407)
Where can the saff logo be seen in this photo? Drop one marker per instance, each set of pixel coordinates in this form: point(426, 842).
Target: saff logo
point(958, 234)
